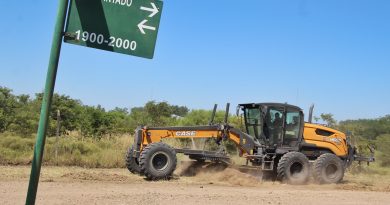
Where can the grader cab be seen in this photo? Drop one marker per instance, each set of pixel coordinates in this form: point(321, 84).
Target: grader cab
point(276, 141)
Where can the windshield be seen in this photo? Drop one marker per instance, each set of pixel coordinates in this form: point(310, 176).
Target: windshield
point(253, 121)
point(293, 126)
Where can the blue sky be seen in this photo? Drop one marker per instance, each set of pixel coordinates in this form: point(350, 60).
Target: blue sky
point(333, 53)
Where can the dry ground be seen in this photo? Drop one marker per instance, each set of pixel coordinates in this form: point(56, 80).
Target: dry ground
point(73, 185)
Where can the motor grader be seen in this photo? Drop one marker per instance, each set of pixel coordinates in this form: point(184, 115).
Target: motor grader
point(276, 141)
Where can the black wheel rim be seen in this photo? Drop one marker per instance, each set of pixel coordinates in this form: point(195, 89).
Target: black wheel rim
point(331, 171)
point(296, 169)
point(160, 161)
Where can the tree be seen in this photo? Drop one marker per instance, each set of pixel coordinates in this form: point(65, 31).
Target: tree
point(26, 116)
point(179, 110)
point(8, 104)
point(383, 146)
point(367, 128)
point(156, 114)
point(328, 118)
point(95, 122)
point(121, 121)
point(196, 117)
point(70, 110)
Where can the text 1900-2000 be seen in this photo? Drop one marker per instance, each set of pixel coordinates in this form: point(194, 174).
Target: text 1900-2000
point(111, 41)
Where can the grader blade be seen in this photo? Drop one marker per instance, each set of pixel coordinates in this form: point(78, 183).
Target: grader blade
point(202, 155)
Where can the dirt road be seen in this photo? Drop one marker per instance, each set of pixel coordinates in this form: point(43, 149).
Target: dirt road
point(64, 185)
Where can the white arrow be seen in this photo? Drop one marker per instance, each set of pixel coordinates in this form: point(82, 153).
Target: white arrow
point(154, 10)
point(142, 26)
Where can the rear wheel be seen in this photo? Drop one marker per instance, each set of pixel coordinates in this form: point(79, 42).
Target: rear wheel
point(158, 161)
point(293, 168)
point(132, 162)
point(328, 168)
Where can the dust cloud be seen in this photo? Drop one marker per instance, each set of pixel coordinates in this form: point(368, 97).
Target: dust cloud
point(218, 173)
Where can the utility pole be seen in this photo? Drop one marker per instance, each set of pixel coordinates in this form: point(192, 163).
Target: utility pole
point(58, 134)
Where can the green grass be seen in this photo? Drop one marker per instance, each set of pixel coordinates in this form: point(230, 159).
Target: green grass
point(72, 151)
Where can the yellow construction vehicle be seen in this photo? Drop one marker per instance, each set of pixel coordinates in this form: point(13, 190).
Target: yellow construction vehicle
point(276, 140)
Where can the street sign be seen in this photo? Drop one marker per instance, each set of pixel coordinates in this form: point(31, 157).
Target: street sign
point(122, 26)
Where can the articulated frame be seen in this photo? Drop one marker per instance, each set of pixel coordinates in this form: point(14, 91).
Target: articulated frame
point(145, 136)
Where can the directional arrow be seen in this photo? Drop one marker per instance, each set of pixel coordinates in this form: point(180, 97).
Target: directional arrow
point(154, 9)
point(142, 26)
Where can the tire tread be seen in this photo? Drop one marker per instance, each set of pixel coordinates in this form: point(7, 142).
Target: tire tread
point(131, 165)
point(144, 157)
point(319, 164)
point(285, 161)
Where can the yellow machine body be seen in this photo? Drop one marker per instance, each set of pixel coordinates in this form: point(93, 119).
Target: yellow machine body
point(326, 138)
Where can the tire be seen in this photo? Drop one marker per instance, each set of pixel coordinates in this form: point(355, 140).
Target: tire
point(132, 163)
point(328, 169)
point(158, 161)
point(293, 168)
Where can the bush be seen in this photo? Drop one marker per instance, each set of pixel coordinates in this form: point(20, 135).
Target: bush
point(383, 146)
point(72, 151)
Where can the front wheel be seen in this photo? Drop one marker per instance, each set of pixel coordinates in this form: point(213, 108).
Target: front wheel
point(158, 161)
point(328, 168)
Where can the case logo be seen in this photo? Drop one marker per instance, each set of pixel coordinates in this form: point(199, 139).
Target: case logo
point(185, 133)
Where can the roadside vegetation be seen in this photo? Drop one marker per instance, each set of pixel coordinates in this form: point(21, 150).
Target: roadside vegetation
point(91, 136)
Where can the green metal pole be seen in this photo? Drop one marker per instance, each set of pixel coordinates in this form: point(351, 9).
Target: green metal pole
point(46, 101)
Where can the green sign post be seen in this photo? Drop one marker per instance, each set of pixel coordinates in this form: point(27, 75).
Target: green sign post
point(46, 102)
point(122, 26)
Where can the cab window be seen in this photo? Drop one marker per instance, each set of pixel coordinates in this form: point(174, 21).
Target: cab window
point(293, 125)
point(253, 122)
point(273, 125)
